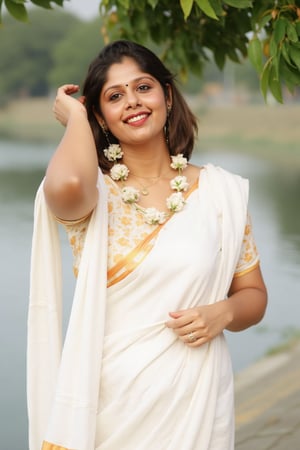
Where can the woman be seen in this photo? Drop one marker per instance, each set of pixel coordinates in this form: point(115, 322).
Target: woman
point(165, 262)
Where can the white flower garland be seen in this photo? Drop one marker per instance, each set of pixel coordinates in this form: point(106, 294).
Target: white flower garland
point(175, 202)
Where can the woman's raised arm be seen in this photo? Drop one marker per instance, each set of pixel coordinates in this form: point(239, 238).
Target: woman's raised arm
point(71, 176)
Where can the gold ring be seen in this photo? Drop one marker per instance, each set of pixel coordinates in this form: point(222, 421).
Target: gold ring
point(192, 337)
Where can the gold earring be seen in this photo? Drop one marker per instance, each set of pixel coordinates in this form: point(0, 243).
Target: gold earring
point(105, 130)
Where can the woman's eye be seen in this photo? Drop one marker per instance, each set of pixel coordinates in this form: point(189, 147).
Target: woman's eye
point(114, 97)
point(144, 87)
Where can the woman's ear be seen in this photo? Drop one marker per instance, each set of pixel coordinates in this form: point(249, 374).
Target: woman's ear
point(100, 120)
point(169, 96)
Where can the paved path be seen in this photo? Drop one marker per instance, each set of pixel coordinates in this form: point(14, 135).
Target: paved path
point(268, 404)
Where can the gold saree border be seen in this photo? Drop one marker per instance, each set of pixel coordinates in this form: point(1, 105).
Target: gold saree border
point(50, 446)
point(128, 263)
point(244, 272)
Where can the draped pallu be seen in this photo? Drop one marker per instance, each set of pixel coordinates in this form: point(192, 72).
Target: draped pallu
point(124, 380)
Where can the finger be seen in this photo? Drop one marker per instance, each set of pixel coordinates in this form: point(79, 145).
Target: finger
point(200, 341)
point(179, 323)
point(68, 89)
point(81, 99)
point(181, 313)
point(186, 330)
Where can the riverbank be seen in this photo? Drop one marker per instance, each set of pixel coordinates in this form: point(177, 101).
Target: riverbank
point(272, 132)
point(29, 120)
point(267, 403)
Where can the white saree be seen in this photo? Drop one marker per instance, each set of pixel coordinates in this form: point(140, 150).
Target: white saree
point(124, 381)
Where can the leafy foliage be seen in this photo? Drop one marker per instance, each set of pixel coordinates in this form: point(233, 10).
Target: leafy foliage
point(18, 9)
point(189, 31)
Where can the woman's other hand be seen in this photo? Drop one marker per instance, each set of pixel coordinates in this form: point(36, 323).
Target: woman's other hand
point(199, 325)
point(244, 307)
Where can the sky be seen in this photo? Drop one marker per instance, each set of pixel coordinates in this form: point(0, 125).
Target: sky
point(85, 9)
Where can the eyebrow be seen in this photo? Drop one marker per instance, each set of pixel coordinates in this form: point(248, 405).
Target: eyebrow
point(115, 86)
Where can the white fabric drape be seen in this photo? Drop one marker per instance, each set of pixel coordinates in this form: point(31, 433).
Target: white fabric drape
point(63, 384)
point(155, 392)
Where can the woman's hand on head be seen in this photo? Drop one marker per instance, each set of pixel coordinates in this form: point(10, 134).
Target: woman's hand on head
point(64, 104)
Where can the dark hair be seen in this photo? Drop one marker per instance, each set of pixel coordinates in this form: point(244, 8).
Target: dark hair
point(181, 123)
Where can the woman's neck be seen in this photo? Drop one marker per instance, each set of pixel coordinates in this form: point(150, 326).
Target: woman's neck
point(147, 162)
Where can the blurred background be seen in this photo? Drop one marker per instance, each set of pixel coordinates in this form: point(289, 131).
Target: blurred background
point(238, 131)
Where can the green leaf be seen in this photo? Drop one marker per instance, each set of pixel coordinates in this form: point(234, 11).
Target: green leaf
point(255, 53)
point(42, 3)
point(239, 3)
point(292, 32)
point(217, 6)
point(264, 20)
point(220, 58)
point(206, 7)
point(17, 10)
point(290, 75)
point(295, 55)
point(186, 6)
point(233, 55)
point(124, 4)
point(285, 48)
point(264, 81)
point(279, 30)
point(275, 66)
point(275, 85)
point(152, 3)
point(1, 1)
point(273, 47)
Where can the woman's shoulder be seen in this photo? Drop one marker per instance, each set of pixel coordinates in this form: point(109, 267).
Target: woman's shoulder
point(219, 172)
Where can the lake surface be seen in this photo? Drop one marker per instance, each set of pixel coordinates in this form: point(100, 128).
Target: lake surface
point(274, 207)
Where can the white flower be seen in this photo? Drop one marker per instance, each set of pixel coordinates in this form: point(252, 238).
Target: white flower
point(179, 162)
point(130, 194)
point(179, 183)
point(154, 217)
point(119, 172)
point(113, 152)
point(175, 202)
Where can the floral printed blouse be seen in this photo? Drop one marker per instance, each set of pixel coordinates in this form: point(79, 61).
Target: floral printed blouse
point(121, 240)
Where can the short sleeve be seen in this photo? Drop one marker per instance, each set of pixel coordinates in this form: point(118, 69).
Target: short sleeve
point(76, 232)
point(249, 257)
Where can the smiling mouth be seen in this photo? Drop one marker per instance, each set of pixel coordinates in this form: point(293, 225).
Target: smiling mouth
point(137, 118)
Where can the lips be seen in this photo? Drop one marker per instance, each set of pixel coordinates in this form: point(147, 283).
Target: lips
point(136, 118)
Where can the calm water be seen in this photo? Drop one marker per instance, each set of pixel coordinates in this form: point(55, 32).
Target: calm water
point(274, 206)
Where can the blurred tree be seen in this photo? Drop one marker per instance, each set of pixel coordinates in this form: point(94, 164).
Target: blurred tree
point(267, 31)
point(74, 53)
point(26, 52)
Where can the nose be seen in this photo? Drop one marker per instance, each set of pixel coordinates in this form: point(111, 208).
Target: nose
point(132, 98)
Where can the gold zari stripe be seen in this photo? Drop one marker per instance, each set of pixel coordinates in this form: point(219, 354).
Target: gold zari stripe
point(127, 264)
point(244, 272)
point(49, 446)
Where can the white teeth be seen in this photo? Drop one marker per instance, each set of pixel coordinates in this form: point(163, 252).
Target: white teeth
point(136, 118)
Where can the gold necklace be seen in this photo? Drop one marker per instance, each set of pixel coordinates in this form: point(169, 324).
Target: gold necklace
point(175, 202)
point(145, 190)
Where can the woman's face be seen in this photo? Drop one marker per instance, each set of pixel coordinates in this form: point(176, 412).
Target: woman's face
point(133, 104)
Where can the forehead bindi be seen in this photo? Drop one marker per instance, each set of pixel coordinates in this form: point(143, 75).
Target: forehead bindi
point(123, 74)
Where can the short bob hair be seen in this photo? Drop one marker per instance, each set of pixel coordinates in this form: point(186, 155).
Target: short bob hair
point(181, 122)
